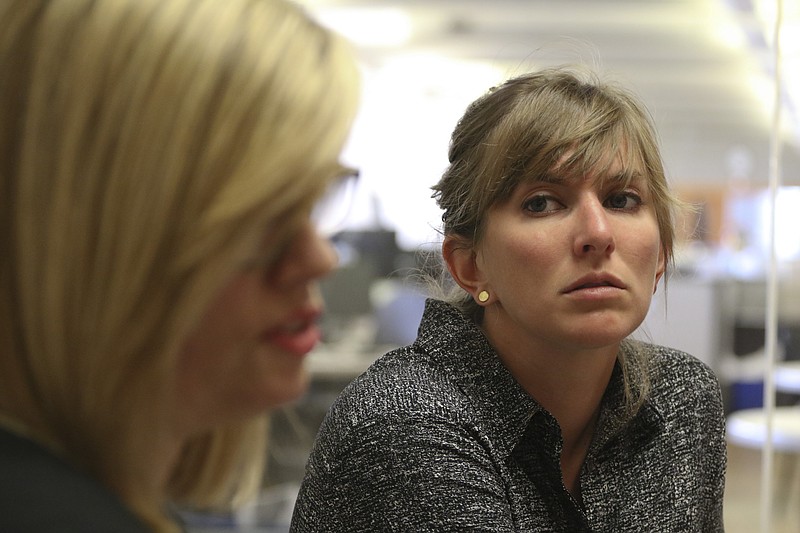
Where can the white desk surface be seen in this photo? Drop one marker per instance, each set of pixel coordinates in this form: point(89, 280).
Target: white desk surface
point(787, 377)
point(341, 362)
point(748, 428)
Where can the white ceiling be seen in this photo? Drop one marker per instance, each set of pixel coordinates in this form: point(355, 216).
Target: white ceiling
point(702, 66)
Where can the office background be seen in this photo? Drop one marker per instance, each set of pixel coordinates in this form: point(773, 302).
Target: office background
point(707, 69)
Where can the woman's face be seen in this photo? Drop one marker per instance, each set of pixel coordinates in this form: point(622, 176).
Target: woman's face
point(246, 355)
point(571, 264)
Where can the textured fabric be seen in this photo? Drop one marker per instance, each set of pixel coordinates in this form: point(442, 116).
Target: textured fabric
point(40, 493)
point(438, 436)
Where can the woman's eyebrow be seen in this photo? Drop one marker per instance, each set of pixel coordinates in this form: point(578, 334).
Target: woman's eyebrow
point(626, 177)
point(550, 178)
point(555, 178)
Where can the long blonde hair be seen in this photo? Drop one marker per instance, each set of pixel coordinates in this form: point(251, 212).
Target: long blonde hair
point(144, 146)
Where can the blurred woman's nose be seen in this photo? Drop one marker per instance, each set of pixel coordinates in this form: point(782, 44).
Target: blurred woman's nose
point(593, 234)
point(309, 257)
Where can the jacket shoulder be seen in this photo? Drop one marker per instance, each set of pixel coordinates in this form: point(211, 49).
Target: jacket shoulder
point(40, 492)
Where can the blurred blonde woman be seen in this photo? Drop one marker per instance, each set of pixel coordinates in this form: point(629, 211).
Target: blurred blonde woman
point(159, 164)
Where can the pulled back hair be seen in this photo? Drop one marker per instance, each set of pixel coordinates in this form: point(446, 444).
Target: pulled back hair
point(145, 148)
point(558, 118)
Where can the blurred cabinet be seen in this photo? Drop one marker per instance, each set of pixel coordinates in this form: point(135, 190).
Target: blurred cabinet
point(694, 315)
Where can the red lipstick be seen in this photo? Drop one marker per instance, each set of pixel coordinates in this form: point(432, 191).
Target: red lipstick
point(298, 335)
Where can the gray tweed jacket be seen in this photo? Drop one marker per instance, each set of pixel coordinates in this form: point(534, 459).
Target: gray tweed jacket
point(438, 436)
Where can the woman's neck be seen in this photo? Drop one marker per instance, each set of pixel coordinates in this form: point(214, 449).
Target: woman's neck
point(570, 385)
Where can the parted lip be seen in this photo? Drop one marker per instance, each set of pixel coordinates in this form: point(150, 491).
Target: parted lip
point(595, 279)
point(300, 319)
point(298, 334)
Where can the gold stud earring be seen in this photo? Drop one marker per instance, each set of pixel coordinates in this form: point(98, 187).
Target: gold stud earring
point(483, 296)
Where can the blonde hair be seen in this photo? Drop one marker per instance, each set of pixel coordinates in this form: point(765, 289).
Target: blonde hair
point(565, 118)
point(145, 146)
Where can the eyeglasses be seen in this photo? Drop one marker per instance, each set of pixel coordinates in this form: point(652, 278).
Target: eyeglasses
point(328, 216)
point(331, 211)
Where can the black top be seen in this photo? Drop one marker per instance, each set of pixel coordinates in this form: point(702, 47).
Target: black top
point(438, 436)
point(40, 493)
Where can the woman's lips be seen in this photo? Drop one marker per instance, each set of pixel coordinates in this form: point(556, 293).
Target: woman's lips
point(298, 336)
point(598, 287)
point(594, 281)
point(594, 292)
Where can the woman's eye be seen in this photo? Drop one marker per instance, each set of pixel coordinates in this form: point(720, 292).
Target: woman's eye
point(269, 255)
point(541, 204)
point(624, 201)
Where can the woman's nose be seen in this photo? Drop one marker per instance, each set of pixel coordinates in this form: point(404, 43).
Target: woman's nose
point(593, 233)
point(310, 256)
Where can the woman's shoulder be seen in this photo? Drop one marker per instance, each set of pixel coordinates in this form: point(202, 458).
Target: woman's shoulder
point(667, 360)
point(404, 383)
point(426, 392)
point(678, 378)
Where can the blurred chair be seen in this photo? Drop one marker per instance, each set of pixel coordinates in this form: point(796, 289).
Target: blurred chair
point(748, 428)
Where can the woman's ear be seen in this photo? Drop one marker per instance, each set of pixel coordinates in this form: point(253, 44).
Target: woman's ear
point(459, 256)
point(660, 269)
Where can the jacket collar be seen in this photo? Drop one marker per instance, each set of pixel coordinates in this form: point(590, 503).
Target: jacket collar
point(503, 408)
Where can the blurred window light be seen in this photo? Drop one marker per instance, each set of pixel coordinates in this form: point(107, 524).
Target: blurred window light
point(725, 28)
point(436, 75)
point(766, 12)
point(762, 86)
point(368, 26)
point(787, 220)
point(730, 36)
point(414, 101)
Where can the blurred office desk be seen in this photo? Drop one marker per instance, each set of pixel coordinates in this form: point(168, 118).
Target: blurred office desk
point(748, 428)
point(342, 363)
point(787, 377)
point(691, 314)
point(331, 368)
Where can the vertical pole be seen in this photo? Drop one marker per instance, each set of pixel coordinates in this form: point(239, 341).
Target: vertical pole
point(771, 326)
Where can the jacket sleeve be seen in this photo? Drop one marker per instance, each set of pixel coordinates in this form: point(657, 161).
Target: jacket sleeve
point(715, 449)
point(402, 474)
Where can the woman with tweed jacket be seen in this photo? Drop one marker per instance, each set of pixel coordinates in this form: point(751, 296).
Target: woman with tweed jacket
point(523, 405)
